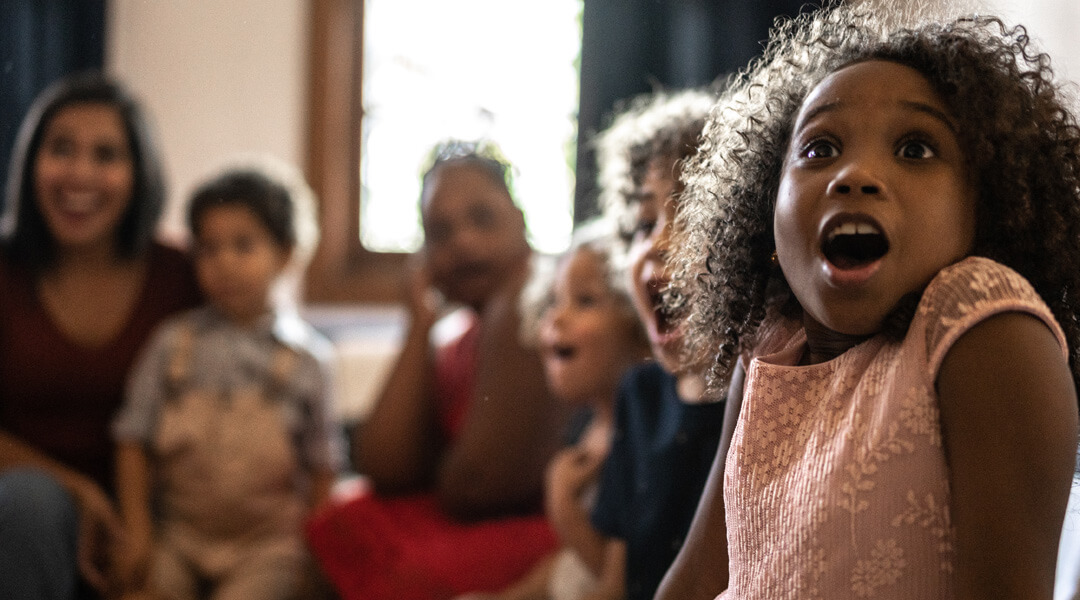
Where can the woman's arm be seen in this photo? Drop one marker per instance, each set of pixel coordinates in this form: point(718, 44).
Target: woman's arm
point(1009, 426)
point(510, 431)
point(396, 446)
point(700, 570)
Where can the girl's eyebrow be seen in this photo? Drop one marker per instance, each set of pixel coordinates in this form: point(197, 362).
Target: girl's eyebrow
point(921, 107)
point(823, 108)
point(932, 111)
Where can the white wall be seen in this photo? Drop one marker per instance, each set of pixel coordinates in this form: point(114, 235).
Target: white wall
point(1053, 24)
point(218, 78)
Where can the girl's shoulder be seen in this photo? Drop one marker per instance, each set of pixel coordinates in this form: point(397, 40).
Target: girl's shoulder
point(968, 292)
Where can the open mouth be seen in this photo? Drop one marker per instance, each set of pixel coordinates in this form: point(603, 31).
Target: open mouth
point(853, 244)
point(662, 313)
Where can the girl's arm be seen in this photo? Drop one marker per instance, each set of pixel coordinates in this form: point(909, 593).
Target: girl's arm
point(133, 478)
point(700, 571)
point(497, 464)
point(1009, 426)
point(397, 444)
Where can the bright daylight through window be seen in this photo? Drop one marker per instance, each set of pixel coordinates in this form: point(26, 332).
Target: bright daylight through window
point(501, 70)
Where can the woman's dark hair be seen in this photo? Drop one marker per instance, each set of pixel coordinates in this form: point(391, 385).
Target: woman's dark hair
point(1021, 143)
point(267, 199)
point(23, 230)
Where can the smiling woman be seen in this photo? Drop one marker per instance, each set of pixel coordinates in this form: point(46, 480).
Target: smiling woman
point(84, 284)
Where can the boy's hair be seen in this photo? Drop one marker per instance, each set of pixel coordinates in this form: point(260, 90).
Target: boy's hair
point(22, 226)
point(268, 200)
point(664, 125)
point(273, 190)
point(1021, 143)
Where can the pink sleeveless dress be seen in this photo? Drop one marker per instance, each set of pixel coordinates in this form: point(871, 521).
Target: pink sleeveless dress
point(836, 484)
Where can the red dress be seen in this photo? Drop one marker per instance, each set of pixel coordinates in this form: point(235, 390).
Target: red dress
point(60, 397)
point(407, 548)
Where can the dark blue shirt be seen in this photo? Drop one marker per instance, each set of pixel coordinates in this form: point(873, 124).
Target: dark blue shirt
point(661, 455)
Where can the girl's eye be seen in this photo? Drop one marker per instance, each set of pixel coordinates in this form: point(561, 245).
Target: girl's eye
point(915, 149)
point(108, 153)
point(60, 146)
point(587, 300)
point(820, 149)
point(644, 228)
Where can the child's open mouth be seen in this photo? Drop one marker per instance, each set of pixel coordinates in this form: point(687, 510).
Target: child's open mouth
point(853, 244)
point(664, 319)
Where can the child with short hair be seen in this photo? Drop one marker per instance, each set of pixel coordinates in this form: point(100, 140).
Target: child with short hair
point(226, 440)
point(883, 221)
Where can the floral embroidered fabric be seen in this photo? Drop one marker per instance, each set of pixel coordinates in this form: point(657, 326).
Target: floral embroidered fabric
point(836, 483)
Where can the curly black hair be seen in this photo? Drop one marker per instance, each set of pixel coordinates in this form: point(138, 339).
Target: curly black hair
point(1021, 142)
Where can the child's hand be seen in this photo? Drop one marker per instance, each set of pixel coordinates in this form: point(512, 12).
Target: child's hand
point(568, 474)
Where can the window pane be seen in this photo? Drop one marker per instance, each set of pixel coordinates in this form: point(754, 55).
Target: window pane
point(504, 70)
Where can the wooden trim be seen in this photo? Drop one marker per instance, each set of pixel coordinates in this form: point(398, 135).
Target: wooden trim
point(342, 269)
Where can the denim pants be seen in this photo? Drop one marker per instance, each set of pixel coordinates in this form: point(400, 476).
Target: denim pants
point(38, 532)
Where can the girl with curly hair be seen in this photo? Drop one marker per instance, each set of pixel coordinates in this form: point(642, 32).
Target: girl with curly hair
point(882, 225)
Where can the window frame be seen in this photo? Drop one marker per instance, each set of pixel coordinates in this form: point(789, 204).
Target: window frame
point(342, 270)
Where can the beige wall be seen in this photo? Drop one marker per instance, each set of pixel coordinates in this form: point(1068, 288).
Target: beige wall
point(218, 77)
point(1053, 24)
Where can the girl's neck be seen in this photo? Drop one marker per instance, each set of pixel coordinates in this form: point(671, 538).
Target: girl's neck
point(824, 344)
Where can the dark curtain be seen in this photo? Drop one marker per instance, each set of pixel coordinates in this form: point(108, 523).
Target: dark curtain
point(40, 41)
point(631, 47)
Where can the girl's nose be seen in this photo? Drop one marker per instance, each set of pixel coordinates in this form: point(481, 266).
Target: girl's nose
point(854, 178)
point(82, 166)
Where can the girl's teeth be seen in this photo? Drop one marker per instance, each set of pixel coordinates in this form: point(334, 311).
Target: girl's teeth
point(853, 229)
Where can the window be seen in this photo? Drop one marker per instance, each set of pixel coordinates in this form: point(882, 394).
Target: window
point(430, 70)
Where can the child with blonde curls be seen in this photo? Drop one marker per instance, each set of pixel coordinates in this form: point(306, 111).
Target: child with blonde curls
point(882, 225)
